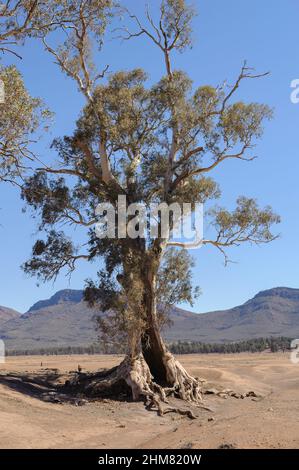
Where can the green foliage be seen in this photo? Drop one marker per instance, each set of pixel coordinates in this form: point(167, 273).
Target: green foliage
point(19, 19)
point(175, 279)
point(274, 344)
point(50, 256)
point(246, 223)
point(75, 18)
point(241, 122)
point(176, 16)
point(21, 116)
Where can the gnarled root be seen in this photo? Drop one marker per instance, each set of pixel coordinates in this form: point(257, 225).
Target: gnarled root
point(184, 386)
point(140, 380)
point(134, 374)
point(132, 378)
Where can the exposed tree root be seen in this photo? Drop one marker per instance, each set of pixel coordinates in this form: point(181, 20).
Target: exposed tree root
point(132, 378)
point(134, 375)
point(184, 386)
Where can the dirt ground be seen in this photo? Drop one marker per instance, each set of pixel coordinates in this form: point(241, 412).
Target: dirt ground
point(270, 422)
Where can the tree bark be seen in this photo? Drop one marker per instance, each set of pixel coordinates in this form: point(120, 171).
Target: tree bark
point(153, 346)
point(154, 351)
point(166, 371)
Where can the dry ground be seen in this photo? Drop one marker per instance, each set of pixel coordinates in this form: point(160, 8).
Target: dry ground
point(272, 422)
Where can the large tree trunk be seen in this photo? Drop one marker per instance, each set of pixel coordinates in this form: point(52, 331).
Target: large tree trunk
point(164, 368)
point(149, 370)
point(153, 347)
point(154, 352)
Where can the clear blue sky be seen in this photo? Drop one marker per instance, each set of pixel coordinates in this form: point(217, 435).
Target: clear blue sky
point(225, 33)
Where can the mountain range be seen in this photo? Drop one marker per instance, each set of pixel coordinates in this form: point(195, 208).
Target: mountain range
point(66, 320)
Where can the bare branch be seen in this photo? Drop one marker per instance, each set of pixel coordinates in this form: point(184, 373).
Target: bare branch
point(245, 74)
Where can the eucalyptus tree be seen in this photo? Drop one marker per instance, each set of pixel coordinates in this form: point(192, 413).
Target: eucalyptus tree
point(20, 114)
point(150, 143)
point(18, 19)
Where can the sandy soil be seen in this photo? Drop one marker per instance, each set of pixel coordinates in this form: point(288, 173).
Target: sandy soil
point(270, 422)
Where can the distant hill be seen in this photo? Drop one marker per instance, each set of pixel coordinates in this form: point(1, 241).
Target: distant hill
point(62, 320)
point(274, 312)
point(65, 320)
point(61, 297)
point(7, 314)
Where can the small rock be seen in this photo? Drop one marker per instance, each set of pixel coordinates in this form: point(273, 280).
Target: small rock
point(270, 409)
point(211, 419)
point(252, 394)
point(227, 446)
point(211, 391)
point(222, 395)
point(80, 402)
point(188, 445)
point(236, 395)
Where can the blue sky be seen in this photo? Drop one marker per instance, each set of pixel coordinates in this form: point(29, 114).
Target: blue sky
point(265, 33)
